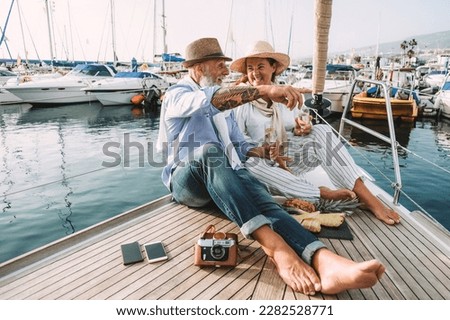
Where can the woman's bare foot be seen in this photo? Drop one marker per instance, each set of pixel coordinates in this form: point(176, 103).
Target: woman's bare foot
point(338, 273)
point(385, 214)
point(339, 194)
point(372, 203)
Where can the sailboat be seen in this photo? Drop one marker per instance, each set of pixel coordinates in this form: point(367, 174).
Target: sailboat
point(416, 253)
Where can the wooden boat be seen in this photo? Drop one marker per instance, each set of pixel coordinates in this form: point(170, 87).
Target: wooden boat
point(367, 107)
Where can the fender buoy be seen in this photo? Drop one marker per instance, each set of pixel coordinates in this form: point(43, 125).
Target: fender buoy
point(137, 99)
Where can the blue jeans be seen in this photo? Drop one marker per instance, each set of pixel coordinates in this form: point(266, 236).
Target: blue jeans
point(207, 176)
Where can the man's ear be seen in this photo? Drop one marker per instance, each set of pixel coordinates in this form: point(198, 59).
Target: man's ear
point(199, 68)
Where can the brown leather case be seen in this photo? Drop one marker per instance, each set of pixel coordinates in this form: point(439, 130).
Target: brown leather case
point(232, 252)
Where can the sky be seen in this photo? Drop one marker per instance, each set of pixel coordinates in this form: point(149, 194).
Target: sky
point(83, 28)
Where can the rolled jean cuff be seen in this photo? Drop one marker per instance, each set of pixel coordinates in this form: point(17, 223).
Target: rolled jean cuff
point(310, 249)
point(253, 224)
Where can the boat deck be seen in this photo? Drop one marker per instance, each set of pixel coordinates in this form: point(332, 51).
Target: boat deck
point(88, 264)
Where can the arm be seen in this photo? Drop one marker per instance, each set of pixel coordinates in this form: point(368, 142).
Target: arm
point(231, 97)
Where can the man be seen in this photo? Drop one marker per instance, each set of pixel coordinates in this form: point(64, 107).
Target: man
point(205, 150)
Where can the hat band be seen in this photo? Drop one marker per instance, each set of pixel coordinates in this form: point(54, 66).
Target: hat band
point(214, 54)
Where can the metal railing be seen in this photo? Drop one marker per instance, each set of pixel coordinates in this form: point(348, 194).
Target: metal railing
point(397, 186)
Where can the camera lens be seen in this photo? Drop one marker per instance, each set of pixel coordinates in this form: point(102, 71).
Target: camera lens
point(217, 252)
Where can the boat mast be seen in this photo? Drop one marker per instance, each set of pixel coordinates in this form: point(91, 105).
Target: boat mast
point(70, 30)
point(290, 33)
point(230, 35)
point(49, 33)
point(23, 36)
point(164, 26)
point(154, 30)
point(113, 32)
point(323, 10)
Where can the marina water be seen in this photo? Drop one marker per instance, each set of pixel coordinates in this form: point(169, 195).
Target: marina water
point(66, 168)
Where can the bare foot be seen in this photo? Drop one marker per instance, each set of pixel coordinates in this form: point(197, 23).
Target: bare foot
point(372, 203)
point(296, 273)
point(339, 194)
point(386, 215)
point(338, 273)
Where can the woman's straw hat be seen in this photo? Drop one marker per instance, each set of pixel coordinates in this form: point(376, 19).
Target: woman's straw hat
point(202, 50)
point(262, 49)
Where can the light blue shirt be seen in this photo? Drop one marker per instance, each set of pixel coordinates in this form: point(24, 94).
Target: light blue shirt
point(186, 124)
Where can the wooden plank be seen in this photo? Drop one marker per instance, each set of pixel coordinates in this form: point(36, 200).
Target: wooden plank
point(54, 266)
point(243, 285)
point(92, 268)
point(96, 270)
point(382, 250)
point(40, 255)
point(180, 240)
point(386, 290)
point(270, 286)
point(232, 280)
point(418, 264)
point(424, 223)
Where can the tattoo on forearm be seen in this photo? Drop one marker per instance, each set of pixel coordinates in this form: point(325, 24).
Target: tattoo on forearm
point(229, 98)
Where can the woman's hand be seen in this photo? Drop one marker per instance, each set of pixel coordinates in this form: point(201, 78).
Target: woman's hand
point(302, 128)
point(276, 151)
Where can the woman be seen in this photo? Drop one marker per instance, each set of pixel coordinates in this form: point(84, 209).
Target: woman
point(307, 146)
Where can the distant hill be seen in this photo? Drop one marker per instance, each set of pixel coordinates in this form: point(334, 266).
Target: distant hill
point(437, 40)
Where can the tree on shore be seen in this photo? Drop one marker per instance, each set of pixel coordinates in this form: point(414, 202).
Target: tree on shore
point(411, 44)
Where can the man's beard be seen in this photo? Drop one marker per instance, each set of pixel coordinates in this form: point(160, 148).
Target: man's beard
point(207, 80)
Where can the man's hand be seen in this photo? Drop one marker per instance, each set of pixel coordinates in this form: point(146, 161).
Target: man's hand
point(287, 95)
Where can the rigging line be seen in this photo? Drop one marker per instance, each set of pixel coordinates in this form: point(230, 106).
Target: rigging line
point(6, 23)
point(353, 147)
point(422, 158)
point(373, 165)
point(7, 47)
point(102, 34)
point(55, 181)
point(144, 28)
point(230, 30)
point(31, 38)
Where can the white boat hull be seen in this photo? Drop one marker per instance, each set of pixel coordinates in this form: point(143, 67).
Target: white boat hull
point(119, 91)
point(443, 102)
point(7, 97)
point(53, 95)
point(48, 90)
point(116, 97)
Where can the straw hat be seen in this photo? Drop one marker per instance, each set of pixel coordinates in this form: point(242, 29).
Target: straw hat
point(262, 49)
point(202, 50)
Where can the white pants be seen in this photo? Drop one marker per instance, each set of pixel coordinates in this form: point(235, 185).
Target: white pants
point(320, 147)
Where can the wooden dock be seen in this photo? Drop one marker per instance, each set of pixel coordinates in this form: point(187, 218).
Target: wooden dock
point(88, 264)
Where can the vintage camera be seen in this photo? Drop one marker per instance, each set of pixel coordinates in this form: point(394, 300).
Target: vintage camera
point(216, 249)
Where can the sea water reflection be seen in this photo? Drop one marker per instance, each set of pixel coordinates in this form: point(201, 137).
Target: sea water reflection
point(424, 162)
point(53, 183)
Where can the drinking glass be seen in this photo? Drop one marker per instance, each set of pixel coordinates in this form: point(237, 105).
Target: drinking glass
point(270, 136)
point(303, 114)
